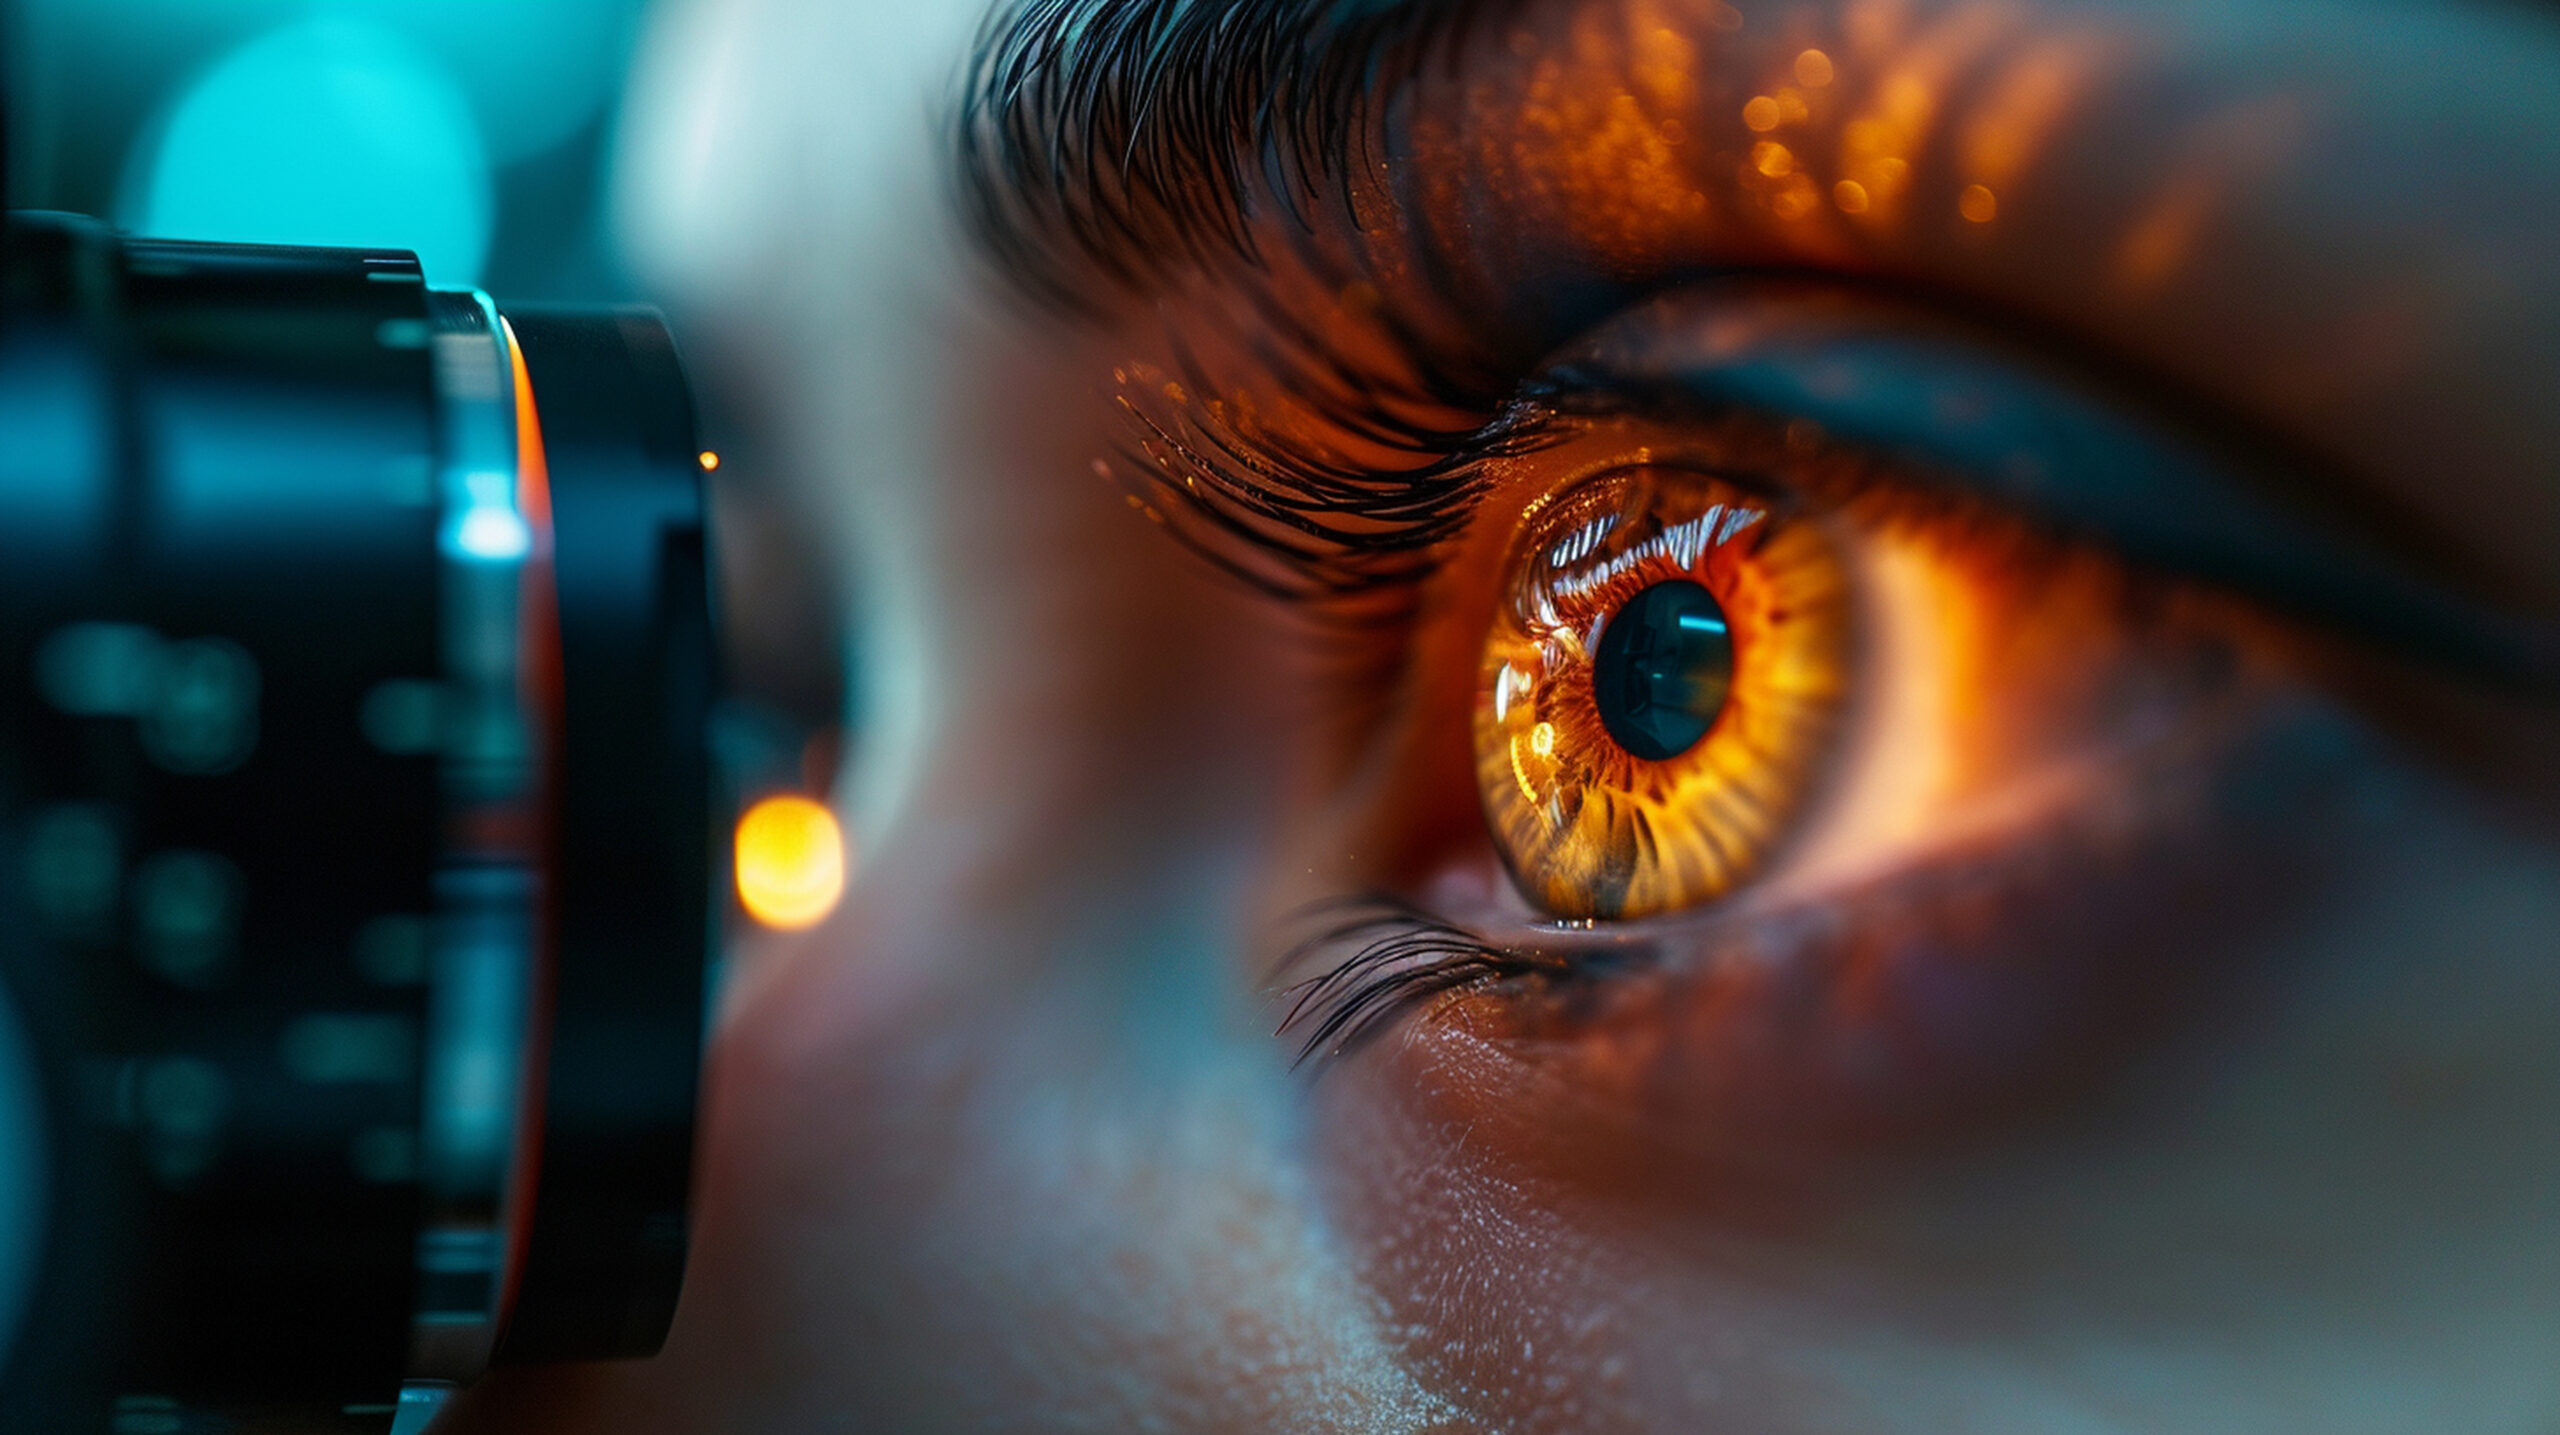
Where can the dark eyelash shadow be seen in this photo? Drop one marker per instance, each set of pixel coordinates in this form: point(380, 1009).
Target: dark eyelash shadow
point(1405, 955)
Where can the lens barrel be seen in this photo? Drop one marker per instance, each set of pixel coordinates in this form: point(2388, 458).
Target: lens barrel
point(357, 832)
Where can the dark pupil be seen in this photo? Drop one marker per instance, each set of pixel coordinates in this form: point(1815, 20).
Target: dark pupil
point(1664, 667)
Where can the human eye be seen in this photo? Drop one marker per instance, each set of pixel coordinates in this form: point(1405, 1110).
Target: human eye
point(1995, 636)
point(1878, 727)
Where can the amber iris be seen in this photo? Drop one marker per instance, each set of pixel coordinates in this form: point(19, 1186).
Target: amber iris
point(1661, 677)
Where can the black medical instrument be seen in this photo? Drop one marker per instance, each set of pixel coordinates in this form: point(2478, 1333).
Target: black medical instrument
point(358, 842)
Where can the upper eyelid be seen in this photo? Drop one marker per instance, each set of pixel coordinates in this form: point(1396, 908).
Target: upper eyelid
point(1086, 205)
point(1942, 401)
point(1918, 390)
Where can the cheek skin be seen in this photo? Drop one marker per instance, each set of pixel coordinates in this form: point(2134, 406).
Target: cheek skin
point(2335, 1178)
point(1528, 1303)
point(1002, 1145)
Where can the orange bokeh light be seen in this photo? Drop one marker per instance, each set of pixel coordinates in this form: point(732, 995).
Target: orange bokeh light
point(791, 862)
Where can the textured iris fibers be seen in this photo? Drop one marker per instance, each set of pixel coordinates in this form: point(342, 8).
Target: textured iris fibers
point(1589, 828)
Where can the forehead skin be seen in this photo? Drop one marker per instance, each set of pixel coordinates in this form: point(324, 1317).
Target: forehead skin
point(1004, 1145)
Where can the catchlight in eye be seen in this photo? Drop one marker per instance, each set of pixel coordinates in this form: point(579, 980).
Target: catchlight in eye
point(1663, 672)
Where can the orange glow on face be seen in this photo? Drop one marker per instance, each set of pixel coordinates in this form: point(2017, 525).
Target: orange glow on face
point(2013, 122)
point(1605, 149)
point(791, 862)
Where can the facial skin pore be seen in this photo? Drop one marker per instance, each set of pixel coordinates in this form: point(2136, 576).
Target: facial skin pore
point(1008, 1144)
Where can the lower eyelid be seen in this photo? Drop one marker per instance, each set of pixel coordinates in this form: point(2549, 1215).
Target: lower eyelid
point(1985, 984)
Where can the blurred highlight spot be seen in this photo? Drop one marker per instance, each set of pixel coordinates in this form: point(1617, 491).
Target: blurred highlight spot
point(791, 862)
point(321, 132)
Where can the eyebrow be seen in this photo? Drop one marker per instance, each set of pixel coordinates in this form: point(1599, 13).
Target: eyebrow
point(1120, 140)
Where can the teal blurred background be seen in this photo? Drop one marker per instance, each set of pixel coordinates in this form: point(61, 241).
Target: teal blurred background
point(479, 133)
point(476, 132)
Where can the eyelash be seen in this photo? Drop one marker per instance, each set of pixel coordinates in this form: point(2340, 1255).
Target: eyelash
point(1406, 956)
point(1292, 523)
point(1264, 102)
